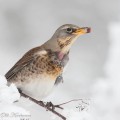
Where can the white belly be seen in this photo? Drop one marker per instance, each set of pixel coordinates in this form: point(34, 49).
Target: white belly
point(38, 88)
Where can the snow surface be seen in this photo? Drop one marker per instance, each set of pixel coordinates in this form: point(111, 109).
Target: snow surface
point(8, 95)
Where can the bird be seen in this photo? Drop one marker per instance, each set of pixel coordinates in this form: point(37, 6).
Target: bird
point(41, 68)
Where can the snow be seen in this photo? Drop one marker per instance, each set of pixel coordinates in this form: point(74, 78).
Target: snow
point(12, 112)
point(8, 95)
point(77, 110)
point(76, 115)
point(71, 114)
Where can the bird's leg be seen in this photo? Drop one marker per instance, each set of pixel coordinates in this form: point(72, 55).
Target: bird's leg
point(41, 103)
point(51, 105)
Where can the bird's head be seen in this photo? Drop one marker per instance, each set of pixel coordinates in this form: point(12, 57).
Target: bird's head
point(65, 36)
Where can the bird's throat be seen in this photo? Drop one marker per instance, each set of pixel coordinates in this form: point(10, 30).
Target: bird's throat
point(60, 55)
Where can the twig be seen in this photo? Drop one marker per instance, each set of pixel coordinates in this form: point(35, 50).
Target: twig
point(43, 105)
point(68, 102)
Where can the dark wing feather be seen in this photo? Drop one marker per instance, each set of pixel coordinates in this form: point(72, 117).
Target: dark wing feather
point(24, 61)
point(17, 67)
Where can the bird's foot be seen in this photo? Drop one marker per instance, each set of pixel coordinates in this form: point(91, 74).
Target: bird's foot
point(51, 105)
point(41, 103)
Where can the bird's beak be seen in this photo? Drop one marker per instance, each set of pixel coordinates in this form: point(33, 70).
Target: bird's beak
point(83, 30)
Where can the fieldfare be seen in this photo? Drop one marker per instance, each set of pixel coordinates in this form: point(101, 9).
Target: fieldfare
point(41, 68)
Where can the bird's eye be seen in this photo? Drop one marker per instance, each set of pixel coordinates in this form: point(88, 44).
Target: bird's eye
point(69, 30)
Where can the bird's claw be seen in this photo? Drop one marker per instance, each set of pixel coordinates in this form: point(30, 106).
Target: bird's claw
point(51, 105)
point(41, 103)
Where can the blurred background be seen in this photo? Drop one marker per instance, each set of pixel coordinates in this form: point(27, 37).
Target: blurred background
point(93, 70)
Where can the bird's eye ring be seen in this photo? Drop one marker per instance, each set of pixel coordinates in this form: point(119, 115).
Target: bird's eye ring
point(69, 30)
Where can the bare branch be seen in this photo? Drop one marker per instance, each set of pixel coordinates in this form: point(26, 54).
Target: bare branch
point(43, 105)
point(69, 102)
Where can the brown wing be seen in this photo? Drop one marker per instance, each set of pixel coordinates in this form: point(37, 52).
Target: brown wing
point(24, 61)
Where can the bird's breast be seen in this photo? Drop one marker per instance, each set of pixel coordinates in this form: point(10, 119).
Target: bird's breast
point(48, 65)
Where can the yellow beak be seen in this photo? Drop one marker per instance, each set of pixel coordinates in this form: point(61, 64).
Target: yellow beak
point(83, 30)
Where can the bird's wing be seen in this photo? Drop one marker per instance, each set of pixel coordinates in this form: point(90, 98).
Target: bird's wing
point(24, 61)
